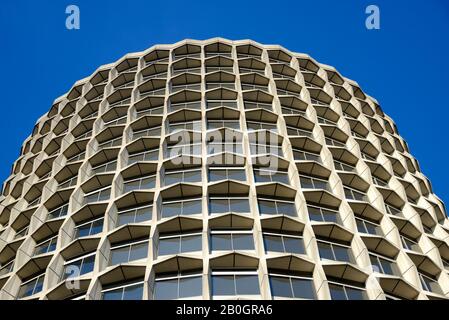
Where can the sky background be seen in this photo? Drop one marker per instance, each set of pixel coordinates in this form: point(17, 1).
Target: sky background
point(404, 65)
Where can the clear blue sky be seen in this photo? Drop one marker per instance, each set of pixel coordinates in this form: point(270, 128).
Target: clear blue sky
point(404, 65)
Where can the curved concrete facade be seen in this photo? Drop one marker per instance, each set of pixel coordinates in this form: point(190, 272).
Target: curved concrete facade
point(219, 169)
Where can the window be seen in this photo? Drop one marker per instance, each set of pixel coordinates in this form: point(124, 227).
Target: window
point(380, 182)
point(105, 167)
point(32, 286)
point(343, 166)
point(300, 155)
point(188, 125)
point(79, 266)
point(232, 240)
point(154, 131)
point(68, 183)
point(21, 233)
point(273, 207)
point(352, 194)
point(110, 143)
point(250, 86)
point(177, 287)
point(392, 210)
point(334, 143)
point(58, 212)
point(132, 291)
point(410, 244)
point(346, 292)
point(216, 124)
point(258, 105)
point(333, 251)
point(46, 246)
point(214, 85)
point(181, 207)
point(293, 131)
point(323, 214)
point(6, 268)
point(365, 226)
point(383, 265)
point(232, 284)
point(292, 287)
point(313, 183)
point(259, 149)
point(180, 243)
point(225, 205)
point(264, 175)
point(172, 177)
point(221, 103)
point(124, 253)
point(147, 182)
point(135, 215)
point(89, 228)
point(430, 284)
point(283, 243)
point(186, 149)
point(187, 105)
point(150, 155)
point(219, 147)
point(252, 126)
point(218, 174)
point(102, 194)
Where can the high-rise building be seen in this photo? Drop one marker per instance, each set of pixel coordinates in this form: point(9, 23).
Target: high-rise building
point(219, 169)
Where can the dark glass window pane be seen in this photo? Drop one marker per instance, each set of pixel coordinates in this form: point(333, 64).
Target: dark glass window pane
point(125, 218)
point(360, 226)
point(216, 175)
point(342, 253)
point(219, 206)
point(88, 264)
point(133, 292)
point(113, 295)
point(143, 214)
point(387, 266)
point(239, 205)
point(315, 214)
point(325, 251)
point(262, 177)
point(281, 287)
point(267, 207)
point(294, 245)
point(191, 243)
point(273, 243)
point(171, 209)
point(243, 242)
point(83, 231)
point(288, 209)
point(139, 251)
point(97, 227)
point(193, 176)
point(303, 288)
point(192, 207)
point(119, 255)
point(169, 246)
point(237, 175)
point(166, 289)
point(247, 285)
point(221, 242)
point(172, 178)
point(337, 292)
point(355, 294)
point(190, 287)
point(223, 285)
